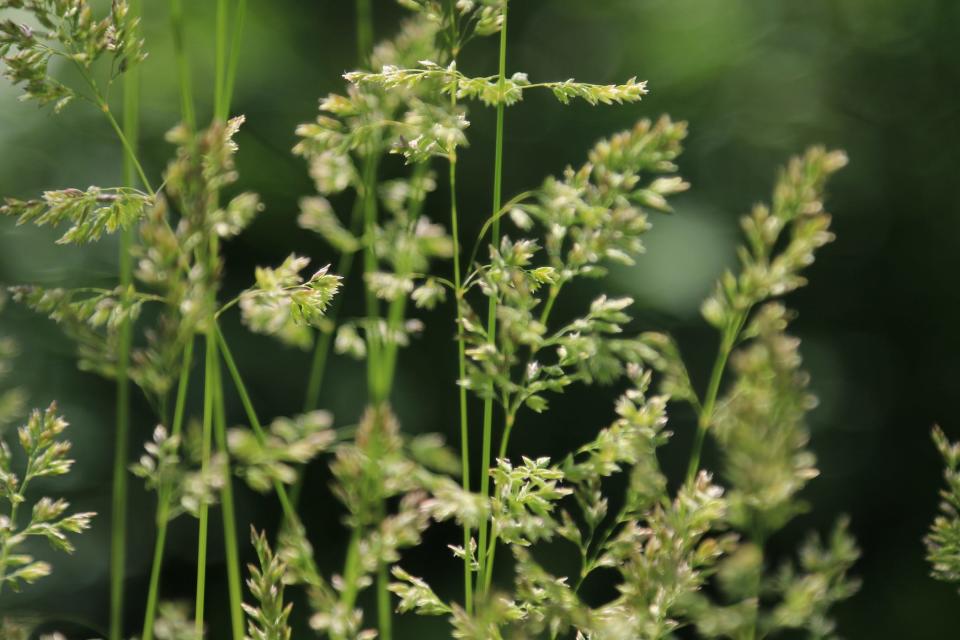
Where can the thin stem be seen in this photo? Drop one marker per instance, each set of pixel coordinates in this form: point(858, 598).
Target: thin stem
point(206, 445)
point(351, 570)
point(492, 305)
point(14, 506)
point(187, 110)
point(228, 512)
point(255, 424)
point(127, 146)
point(345, 263)
point(462, 373)
point(319, 365)
point(396, 311)
point(364, 30)
point(220, 108)
point(728, 340)
point(163, 505)
point(239, 18)
point(154, 590)
point(118, 535)
point(374, 343)
point(322, 350)
point(461, 345)
point(486, 574)
point(379, 382)
point(494, 219)
point(509, 422)
point(384, 612)
point(100, 100)
point(378, 387)
point(121, 448)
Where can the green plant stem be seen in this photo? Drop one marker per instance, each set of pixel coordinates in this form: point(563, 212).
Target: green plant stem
point(384, 612)
point(727, 341)
point(396, 311)
point(364, 30)
point(374, 343)
point(321, 353)
point(118, 535)
point(233, 61)
point(256, 425)
point(492, 306)
point(352, 570)
point(289, 512)
point(509, 421)
point(206, 445)
point(486, 575)
point(234, 577)
point(127, 146)
point(345, 263)
point(14, 506)
point(378, 387)
point(163, 499)
point(461, 344)
point(462, 374)
point(378, 382)
point(187, 110)
point(213, 395)
point(220, 108)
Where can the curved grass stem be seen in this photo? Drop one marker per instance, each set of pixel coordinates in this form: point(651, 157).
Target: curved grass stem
point(288, 511)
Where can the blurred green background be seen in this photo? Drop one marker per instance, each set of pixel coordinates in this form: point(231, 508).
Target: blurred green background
point(758, 80)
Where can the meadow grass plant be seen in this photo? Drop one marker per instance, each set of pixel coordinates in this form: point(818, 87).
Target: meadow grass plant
point(681, 552)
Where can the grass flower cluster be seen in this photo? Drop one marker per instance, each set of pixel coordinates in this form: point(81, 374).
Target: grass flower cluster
point(682, 553)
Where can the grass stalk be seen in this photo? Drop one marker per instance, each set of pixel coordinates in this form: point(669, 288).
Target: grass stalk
point(384, 610)
point(213, 395)
point(364, 30)
point(345, 263)
point(206, 445)
point(378, 383)
point(486, 575)
point(461, 345)
point(187, 110)
point(118, 535)
point(375, 345)
point(492, 307)
point(728, 340)
point(321, 353)
point(234, 576)
point(462, 374)
point(227, 355)
point(220, 108)
point(163, 504)
point(233, 59)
